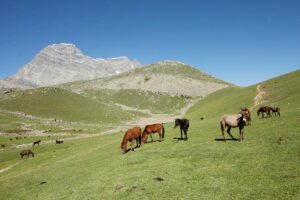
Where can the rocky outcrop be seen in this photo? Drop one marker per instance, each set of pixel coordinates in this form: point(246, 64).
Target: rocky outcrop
point(61, 63)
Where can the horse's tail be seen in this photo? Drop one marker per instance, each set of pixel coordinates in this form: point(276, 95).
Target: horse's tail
point(163, 130)
point(258, 112)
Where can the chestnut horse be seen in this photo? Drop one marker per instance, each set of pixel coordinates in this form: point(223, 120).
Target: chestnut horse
point(233, 121)
point(264, 109)
point(276, 111)
point(153, 128)
point(131, 135)
point(26, 153)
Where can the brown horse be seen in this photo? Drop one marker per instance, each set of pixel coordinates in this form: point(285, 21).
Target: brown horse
point(131, 135)
point(276, 111)
point(26, 153)
point(233, 121)
point(153, 128)
point(36, 142)
point(264, 109)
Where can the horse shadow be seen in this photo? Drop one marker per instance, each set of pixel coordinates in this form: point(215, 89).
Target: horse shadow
point(178, 138)
point(227, 139)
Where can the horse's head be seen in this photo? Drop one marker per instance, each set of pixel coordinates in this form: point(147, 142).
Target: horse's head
point(123, 146)
point(242, 119)
point(30, 152)
point(144, 136)
point(245, 111)
point(177, 123)
point(124, 141)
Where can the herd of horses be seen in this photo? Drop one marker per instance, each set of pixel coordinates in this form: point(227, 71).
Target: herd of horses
point(268, 110)
point(228, 121)
point(28, 152)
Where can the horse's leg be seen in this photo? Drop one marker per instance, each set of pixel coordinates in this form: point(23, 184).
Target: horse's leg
point(132, 144)
point(159, 133)
point(228, 131)
point(151, 137)
point(222, 129)
point(278, 114)
point(180, 133)
point(185, 133)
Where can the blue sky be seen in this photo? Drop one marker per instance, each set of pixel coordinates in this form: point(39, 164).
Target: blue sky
point(243, 42)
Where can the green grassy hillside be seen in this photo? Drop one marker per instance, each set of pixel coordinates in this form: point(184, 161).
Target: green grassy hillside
point(261, 167)
point(62, 104)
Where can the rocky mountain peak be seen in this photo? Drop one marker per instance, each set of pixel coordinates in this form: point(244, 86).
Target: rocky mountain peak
point(62, 63)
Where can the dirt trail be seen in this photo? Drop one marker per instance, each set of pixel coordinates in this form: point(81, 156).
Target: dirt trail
point(9, 167)
point(154, 118)
point(258, 99)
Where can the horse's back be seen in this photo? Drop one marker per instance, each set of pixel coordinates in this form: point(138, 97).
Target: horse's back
point(230, 120)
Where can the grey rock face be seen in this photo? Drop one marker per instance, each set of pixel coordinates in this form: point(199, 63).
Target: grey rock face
point(62, 63)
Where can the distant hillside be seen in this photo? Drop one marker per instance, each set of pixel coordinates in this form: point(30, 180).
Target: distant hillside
point(171, 77)
point(62, 63)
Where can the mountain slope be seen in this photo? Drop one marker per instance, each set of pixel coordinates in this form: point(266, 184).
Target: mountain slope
point(171, 77)
point(61, 63)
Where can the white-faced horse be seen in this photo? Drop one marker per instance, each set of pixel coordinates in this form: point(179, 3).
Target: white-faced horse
point(233, 121)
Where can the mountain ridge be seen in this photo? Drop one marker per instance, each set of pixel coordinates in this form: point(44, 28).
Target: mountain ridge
point(60, 63)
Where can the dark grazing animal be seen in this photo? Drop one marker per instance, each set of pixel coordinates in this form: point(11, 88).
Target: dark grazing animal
point(132, 134)
point(264, 109)
point(276, 111)
point(36, 142)
point(184, 126)
point(59, 141)
point(153, 128)
point(233, 121)
point(26, 153)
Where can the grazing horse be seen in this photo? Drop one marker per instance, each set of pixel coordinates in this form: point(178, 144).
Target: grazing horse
point(59, 141)
point(276, 111)
point(264, 109)
point(26, 153)
point(131, 135)
point(233, 121)
point(153, 128)
point(184, 126)
point(36, 142)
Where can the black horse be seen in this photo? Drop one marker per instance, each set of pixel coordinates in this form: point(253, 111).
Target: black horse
point(59, 141)
point(36, 142)
point(184, 126)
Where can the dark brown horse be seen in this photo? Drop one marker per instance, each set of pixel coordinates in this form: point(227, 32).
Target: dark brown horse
point(264, 109)
point(276, 111)
point(153, 128)
point(233, 121)
point(26, 153)
point(36, 142)
point(131, 135)
point(59, 141)
point(184, 126)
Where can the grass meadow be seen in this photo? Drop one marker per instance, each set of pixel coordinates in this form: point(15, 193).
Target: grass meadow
point(264, 166)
